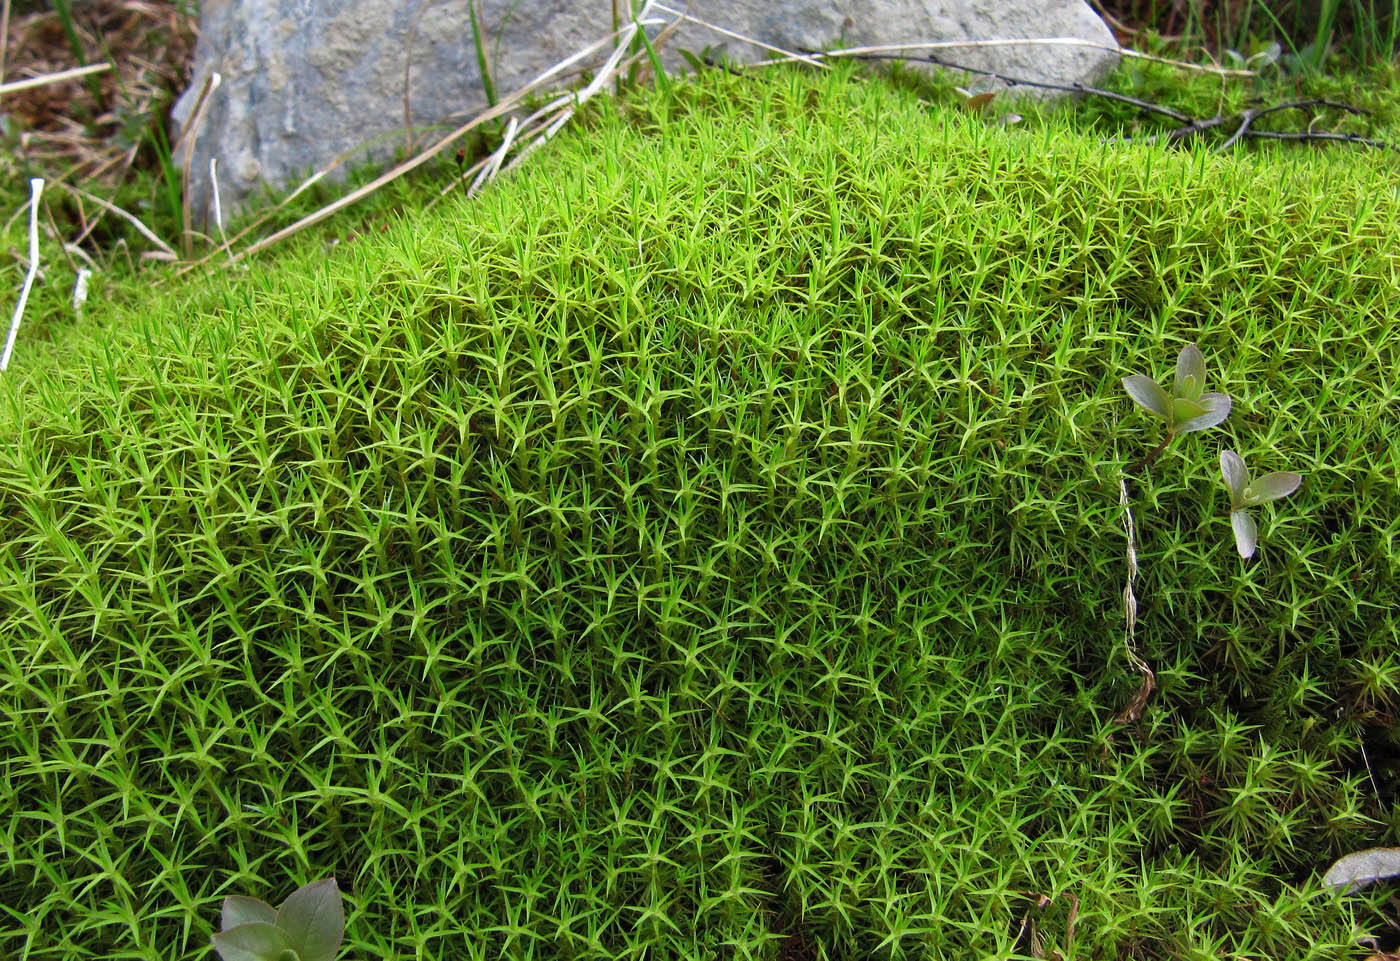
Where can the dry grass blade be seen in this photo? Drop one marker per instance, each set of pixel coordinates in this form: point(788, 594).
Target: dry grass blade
point(1135, 706)
point(201, 108)
point(610, 69)
point(504, 107)
point(686, 16)
point(145, 231)
point(48, 78)
point(493, 163)
point(214, 194)
point(554, 127)
point(1021, 42)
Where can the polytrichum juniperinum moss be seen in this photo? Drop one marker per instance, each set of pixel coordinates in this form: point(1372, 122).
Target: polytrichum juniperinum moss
point(708, 542)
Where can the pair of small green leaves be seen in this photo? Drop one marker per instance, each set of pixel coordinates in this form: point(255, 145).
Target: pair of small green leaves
point(1188, 407)
point(1246, 493)
point(308, 926)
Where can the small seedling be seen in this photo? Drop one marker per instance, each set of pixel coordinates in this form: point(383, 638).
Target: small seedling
point(308, 926)
point(1188, 407)
point(1245, 493)
point(975, 102)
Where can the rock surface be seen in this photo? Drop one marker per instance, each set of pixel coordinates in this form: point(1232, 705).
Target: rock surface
point(304, 81)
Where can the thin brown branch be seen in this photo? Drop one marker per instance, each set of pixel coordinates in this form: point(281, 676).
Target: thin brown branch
point(1078, 88)
point(1190, 126)
point(1138, 466)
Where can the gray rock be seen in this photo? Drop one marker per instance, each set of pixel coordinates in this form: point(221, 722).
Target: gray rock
point(304, 81)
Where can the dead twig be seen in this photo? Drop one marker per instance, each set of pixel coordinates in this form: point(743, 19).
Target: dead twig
point(1189, 126)
point(1079, 88)
point(684, 15)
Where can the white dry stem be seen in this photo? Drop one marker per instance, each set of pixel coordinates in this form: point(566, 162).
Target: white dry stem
point(1016, 42)
point(15, 86)
point(74, 250)
point(201, 107)
point(606, 72)
point(506, 105)
point(214, 188)
point(80, 290)
point(36, 188)
point(493, 163)
point(541, 140)
point(802, 58)
point(609, 66)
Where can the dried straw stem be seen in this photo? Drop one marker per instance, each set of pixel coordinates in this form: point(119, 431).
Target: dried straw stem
point(1018, 42)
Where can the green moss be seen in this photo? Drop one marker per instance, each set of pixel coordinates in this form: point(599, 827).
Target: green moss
point(708, 543)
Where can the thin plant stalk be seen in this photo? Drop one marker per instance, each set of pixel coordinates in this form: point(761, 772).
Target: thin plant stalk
point(4, 37)
point(201, 107)
point(59, 77)
point(130, 218)
point(1020, 42)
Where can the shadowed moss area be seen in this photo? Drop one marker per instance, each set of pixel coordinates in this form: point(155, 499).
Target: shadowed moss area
point(707, 544)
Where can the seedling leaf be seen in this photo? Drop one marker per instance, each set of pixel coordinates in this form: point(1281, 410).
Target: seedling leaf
point(976, 102)
point(255, 941)
point(1217, 408)
point(1266, 57)
point(1271, 487)
point(240, 910)
point(1246, 533)
point(1190, 373)
point(313, 919)
point(1185, 410)
point(1236, 477)
point(1360, 868)
point(1149, 395)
